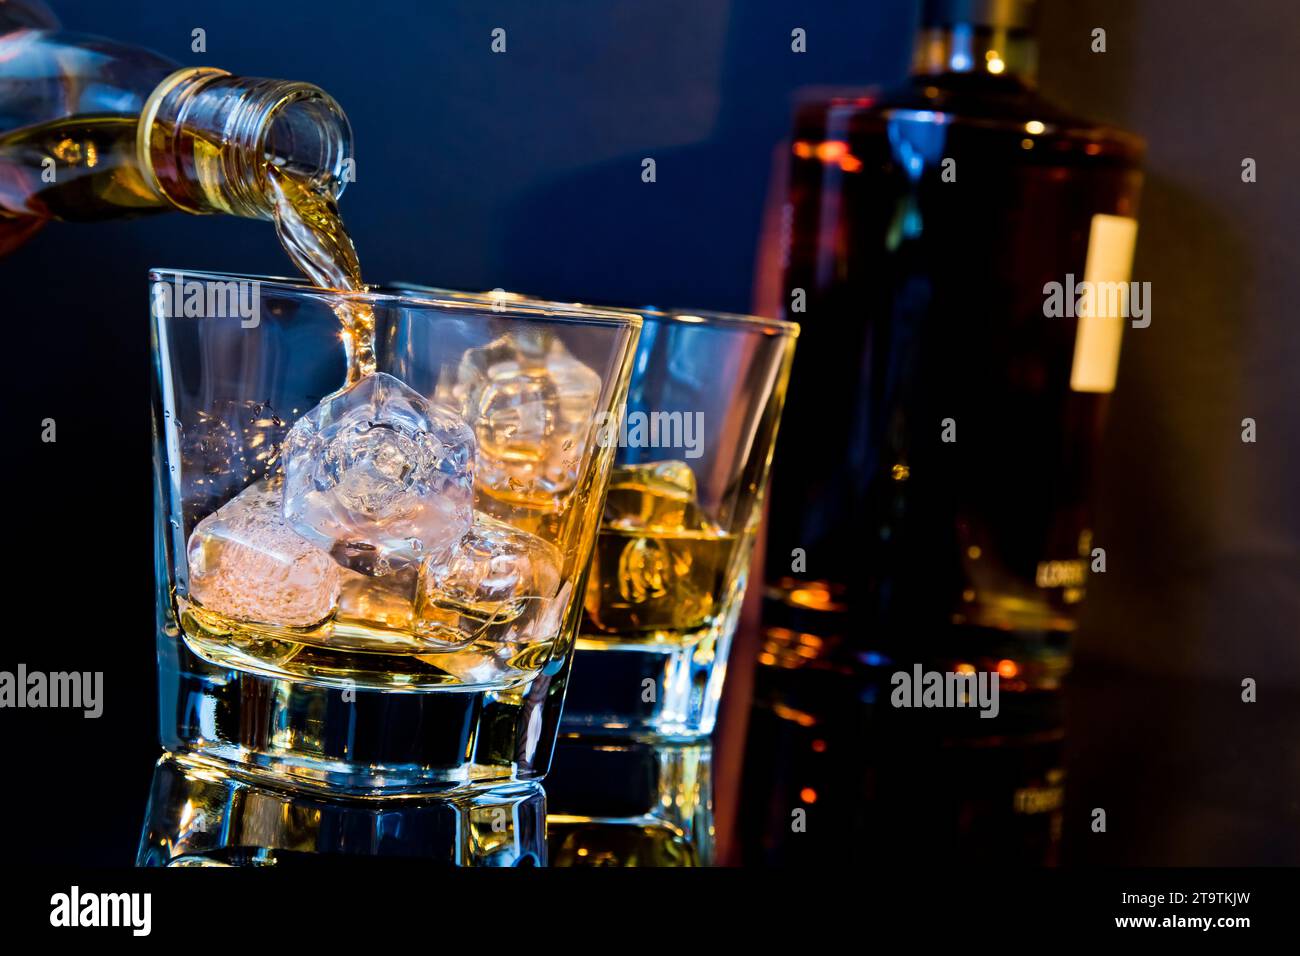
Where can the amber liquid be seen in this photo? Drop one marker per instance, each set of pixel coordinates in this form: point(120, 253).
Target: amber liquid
point(85, 169)
point(95, 175)
point(312, 233)
point(661, 571)
point(80, 169)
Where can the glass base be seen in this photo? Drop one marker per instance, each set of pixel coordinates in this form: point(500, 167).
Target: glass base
point(630, 804)
point(356, 741)
point(648, 691)
point(201, 814)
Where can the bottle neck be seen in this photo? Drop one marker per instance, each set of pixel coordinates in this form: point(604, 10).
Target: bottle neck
point(978, 49)
point(206, 141)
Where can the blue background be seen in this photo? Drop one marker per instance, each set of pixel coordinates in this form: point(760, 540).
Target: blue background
point(522, 169)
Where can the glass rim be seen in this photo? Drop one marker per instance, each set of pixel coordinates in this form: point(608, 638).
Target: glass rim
point(782, 327)
point(521, 308)
point(649, 313)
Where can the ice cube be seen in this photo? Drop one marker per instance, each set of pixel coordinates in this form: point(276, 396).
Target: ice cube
point(655, 496)
point(380, 476)
point(659, 562)
point(387, 602)
point(247, 564)
point(496, 575)
point(532, 405)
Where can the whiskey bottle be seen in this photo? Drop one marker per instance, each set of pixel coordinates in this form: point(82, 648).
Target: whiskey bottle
point(91, 129)
point(931, 500)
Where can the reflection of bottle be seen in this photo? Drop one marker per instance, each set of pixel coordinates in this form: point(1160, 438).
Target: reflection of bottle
point(941, 501)
point(91, 129)
point(832, 766)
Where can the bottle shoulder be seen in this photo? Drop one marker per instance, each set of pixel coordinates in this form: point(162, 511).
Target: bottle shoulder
point(999, 107)
point(51, 75)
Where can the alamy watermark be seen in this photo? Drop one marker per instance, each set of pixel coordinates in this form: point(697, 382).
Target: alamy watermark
point(1101, 300)
point(209, 299)
point(962, 688)
point(681, 430)
point(76, 909)
point(70, 690)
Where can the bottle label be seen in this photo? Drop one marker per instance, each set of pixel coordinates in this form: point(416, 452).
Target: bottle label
point(1111, 240)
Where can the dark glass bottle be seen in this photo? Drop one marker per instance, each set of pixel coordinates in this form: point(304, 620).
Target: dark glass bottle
point(937, 475)
point(931, 493)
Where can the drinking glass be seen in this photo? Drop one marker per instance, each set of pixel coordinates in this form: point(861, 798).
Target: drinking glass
point(679, 525)
point(694, 443)
point(296, 652)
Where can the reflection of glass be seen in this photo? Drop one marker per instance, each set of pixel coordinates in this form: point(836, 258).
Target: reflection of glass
point(630, 804)
point(381, 620)
point(200, 814)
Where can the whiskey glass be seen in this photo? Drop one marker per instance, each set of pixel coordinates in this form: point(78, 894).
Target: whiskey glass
point(332, 669)
point(693, 447)
point(668, 577)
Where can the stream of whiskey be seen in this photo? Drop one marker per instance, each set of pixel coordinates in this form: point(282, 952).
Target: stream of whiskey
point(312, 233)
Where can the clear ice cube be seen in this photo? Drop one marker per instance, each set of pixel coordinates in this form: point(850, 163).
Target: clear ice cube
point(247, 564)
point(380, 476)
point(655, 496)
point(660, 563)
point(498, 575)
point(532, 405)
point(387, 602)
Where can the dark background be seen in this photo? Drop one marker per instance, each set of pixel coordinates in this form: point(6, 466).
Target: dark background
point(523, 171)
